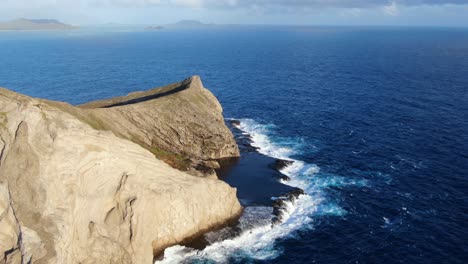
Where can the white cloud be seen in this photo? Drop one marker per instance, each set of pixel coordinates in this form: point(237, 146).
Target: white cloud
point(188, 3)
point(391, 9)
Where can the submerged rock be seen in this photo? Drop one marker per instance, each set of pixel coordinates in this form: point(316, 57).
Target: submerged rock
point(283, 177)
point(280, 206)
point(234, 122)
point(281, 164)
point(85, 184)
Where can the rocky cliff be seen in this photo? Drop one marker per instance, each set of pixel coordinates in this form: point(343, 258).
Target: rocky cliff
point(181, 123)
point(85, 185)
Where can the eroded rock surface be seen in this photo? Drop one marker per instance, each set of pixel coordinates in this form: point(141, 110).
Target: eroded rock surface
point(77, 187)
point(181, 123)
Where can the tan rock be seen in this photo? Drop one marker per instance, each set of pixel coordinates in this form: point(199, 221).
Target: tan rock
point(18, 244)
point(76, 194)
point(184, 119)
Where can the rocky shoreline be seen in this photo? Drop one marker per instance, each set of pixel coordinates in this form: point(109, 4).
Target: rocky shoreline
point(280, 192)
point(261, 191)
point(112, 181)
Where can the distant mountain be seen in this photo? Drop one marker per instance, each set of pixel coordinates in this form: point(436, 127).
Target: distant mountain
point(189, 24)
point(34, 24)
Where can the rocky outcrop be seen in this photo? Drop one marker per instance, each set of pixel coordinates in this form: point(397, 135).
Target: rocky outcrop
point(181, 124)
point(74, 188)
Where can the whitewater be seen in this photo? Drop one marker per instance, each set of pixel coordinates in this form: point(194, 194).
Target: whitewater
point(257, 242)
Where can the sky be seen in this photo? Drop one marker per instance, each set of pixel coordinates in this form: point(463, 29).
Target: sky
point(285, 12)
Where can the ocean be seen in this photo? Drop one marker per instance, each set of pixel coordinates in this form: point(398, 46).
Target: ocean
point(374, 122)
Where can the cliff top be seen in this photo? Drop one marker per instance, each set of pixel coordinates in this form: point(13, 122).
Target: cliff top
point(193, 82)
point(181, 123)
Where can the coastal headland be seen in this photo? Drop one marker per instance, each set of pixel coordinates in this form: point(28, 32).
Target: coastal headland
point(111, 181)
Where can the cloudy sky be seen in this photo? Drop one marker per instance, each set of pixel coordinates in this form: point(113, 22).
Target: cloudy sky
point(309, 12)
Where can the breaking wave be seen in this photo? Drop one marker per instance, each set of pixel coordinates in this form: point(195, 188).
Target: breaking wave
point(258, 237)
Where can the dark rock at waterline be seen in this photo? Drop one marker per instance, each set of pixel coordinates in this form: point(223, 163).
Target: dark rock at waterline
point(281, 164)
point(291, 196)
point(234, 122)
point(279, 204)
point(277, 219)
point(282, 177)
point(229, 230)
point(257, 177)
point(252, 217)
point(245, 144)
point(243, 140)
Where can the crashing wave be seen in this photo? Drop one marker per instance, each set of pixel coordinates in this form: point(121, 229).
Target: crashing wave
point(257, 238)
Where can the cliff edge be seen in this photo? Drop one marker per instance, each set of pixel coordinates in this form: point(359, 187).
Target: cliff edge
point(80, 184)
point(182, 124)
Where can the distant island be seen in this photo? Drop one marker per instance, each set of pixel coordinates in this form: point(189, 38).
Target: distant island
point(34, 24)
point(190, 23)
point(154, 28)
point(183, 24)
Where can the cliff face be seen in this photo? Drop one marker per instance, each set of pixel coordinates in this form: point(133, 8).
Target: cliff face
point(181, 124)
point(71, 193)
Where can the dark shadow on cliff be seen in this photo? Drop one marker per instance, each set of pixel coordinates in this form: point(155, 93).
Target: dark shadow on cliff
point(149, 97)
point(142, 96)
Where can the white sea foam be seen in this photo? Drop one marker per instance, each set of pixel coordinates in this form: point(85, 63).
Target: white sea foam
point(262, 141)
point(259, 241)
point(256, 243)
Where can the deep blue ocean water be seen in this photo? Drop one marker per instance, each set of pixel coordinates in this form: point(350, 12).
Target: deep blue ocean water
point(376, 120)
